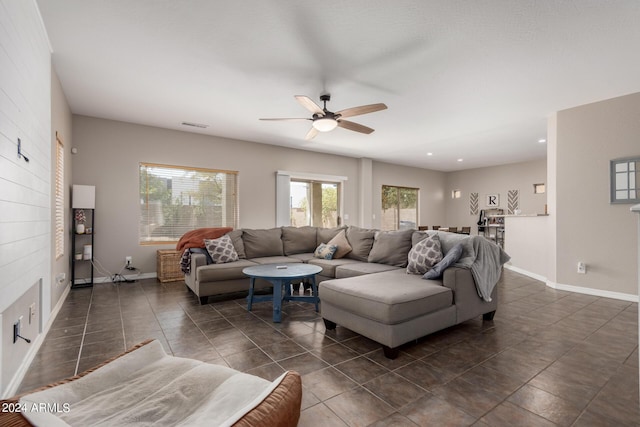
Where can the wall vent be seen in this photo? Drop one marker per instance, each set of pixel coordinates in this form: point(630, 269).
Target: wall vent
point(195, 125)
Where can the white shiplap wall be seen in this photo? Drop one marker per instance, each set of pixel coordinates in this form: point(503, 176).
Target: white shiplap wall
point(25, 219)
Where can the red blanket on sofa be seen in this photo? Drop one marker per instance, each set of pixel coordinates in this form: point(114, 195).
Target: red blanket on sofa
point(195, 238)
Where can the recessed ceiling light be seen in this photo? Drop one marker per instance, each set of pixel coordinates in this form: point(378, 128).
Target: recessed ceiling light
point(429, 154)
point(542, 141)
point(460, 160)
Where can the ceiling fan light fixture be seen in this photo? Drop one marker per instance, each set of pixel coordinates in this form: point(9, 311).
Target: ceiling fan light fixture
point(325, 124)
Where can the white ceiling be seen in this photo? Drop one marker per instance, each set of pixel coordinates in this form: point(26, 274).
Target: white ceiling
point(462, 79)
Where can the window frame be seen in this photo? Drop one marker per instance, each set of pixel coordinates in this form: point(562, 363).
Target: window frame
point(630, 175)
point(398, 216)
point(59, 204)
point(144, 199)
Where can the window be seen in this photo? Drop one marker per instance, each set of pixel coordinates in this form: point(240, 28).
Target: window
point(399, 208)
point(59, 198)
point(176, 199)
point(314, 203)
point(538, 189)
point(625, 180)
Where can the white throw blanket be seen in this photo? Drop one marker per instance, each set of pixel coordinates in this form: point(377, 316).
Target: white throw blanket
point(149, 388)
point(482, 256)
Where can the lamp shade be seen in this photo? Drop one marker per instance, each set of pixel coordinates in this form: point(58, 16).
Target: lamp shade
point(83, 197)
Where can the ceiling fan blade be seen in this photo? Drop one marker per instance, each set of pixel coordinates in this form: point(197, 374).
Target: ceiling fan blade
point(346, 124)
point(363, 109)
point(294, 118)
point(307, 103)
point(311, 134)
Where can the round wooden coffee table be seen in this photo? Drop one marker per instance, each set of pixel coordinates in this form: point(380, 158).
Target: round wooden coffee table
point(281, 275)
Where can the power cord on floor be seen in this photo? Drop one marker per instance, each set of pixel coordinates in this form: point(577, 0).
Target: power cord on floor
point(117, 277)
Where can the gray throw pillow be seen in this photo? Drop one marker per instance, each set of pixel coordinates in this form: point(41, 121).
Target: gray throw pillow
point(424, 255)
point(221, 249)
point(450, 258)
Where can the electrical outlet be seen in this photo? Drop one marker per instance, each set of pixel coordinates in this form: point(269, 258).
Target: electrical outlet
point(32, 312)
point(128, 261)
point(582, 268)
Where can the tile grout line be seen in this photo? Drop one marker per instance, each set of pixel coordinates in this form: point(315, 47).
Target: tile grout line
point(84, 332)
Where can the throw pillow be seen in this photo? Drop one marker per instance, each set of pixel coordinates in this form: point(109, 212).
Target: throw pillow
point(451, 257)
point(424, 255)
point(221, 249)
point(340, 240)
point(325, 251)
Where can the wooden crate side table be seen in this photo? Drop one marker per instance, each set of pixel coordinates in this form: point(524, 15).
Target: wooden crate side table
point(169, 266)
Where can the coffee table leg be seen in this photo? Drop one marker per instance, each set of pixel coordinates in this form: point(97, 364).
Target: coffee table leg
point(250, 297)
point(277, 300)
point(314, 290)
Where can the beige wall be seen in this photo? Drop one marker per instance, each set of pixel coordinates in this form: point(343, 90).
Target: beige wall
point(588, 227)
point(430, 183)
point(61, 123)
point(494, 180)
point(109, 153)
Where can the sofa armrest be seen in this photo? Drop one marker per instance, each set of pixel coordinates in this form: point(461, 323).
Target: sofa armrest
point(197, 260)
point(465, 295)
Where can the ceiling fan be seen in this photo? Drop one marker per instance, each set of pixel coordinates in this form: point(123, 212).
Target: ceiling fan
point(324, 120)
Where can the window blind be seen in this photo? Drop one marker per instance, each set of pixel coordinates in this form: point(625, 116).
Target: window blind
point(177, 199)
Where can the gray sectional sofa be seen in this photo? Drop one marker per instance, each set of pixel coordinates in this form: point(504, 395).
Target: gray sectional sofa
point(368, 290)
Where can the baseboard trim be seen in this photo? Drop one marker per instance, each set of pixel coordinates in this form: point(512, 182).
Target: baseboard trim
point(126, 276)
point(573, 288)
point(15, 382)
point(526, 273)
point(594, 292)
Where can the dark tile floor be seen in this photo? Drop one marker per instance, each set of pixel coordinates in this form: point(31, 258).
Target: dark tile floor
point(549, 357)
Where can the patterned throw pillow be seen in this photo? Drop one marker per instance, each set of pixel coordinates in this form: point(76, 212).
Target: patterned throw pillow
point(221, 249)
point(325, 251)
point(424, 255)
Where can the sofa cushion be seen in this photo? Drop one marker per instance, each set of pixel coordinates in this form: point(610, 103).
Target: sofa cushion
point(297, 240)
point(390, 297)
point(221, 249)
point(325, 251)
point(424, 255)
point(324, 235)
point(228, 271)
point(361, 241)
point(329, 265)
point(302, 257)
point(359, 268)
point(449, 259)
point(340, 240)
point(391, 247)
point(262, 243)
point(275, 260)
point(236, 239)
